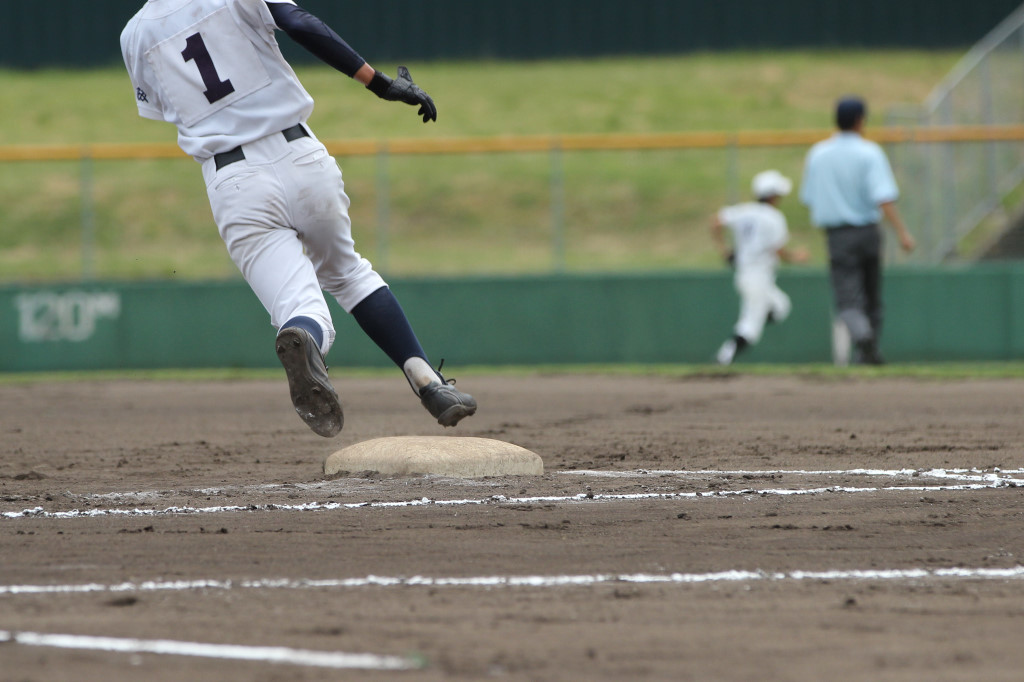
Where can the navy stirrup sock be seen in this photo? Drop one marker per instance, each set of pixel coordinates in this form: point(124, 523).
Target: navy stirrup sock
point(383, 320)
point(310, 325)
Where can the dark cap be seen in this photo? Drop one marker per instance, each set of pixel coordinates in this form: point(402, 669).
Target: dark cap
point(849, 110)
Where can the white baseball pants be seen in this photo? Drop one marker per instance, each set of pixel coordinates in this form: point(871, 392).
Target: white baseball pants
point(759, 298)
point(283, 214)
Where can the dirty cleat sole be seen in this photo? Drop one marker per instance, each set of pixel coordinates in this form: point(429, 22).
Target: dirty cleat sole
point(456, 413)
point(314, 398)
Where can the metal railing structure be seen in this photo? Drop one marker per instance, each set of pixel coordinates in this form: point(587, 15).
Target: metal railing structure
point(946, 153)
point(949, 190)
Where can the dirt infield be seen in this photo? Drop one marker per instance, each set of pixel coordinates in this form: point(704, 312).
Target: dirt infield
point(717, 528)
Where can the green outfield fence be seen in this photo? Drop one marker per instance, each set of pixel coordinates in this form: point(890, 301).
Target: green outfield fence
point(933, 315)
point(76, 33)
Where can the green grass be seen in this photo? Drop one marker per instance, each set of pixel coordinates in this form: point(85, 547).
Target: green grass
point(954, 371)
point(447, 214)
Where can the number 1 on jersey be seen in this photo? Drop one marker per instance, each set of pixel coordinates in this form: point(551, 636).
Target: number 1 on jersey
point(195, 50)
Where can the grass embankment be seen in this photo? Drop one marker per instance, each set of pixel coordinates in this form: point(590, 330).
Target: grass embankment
point(448, 214)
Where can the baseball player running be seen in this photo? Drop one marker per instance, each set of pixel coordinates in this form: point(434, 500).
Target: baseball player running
point(759, 236)
point(213, 68)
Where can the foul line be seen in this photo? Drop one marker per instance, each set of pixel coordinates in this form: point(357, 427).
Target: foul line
point(321, 659)
point(1015, 573)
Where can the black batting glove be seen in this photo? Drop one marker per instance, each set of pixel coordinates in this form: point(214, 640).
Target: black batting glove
point(402, 89)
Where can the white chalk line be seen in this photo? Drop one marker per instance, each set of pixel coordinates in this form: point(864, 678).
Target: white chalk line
point(971, 479)
point(40, 513)
point(979, 479)
point(364, 661)
point(527, 581)
point(964, 475)
point(951, 474)
point(262, 654)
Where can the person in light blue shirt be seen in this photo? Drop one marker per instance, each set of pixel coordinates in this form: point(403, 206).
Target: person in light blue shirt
point(849, 187)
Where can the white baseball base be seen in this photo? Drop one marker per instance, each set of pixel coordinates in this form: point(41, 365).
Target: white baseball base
point(441, 455)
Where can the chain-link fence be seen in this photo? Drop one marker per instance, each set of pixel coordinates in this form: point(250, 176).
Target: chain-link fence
point(949, 189)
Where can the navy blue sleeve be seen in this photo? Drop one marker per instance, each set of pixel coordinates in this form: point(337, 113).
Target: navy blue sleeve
point(316, 36)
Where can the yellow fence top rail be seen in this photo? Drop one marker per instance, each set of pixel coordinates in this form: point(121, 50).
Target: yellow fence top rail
point(540, 143)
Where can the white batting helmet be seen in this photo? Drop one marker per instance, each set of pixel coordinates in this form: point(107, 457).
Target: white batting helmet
point(771, 183)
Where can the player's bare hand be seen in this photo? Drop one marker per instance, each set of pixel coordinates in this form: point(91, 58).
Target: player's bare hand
point(907, 242)
point(403, 89)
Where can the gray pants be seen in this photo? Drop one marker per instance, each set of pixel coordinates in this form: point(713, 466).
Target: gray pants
point(855, 263)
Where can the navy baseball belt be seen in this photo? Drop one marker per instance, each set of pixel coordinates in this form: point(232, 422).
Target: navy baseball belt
point(229, 157)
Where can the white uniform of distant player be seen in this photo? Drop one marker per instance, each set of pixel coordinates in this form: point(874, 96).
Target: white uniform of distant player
point(232, 55)
point(759, 233)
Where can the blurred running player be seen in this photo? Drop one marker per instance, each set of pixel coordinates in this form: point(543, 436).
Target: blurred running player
point(759, 237)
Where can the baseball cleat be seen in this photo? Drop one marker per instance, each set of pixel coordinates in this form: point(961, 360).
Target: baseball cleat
point(315, 400)
point(726, 353)
point(867, 354)
point(446, 403)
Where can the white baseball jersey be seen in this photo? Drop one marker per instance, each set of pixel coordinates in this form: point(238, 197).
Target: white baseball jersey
point(759, 230)
point(213, 68)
